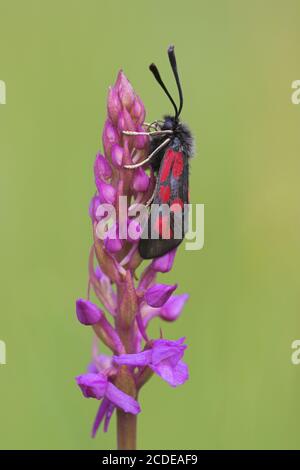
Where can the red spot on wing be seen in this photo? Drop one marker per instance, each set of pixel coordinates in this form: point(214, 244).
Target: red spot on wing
point(162, 227)
point(178, 165)
point(167, 164)
point(164, 193)
point(177, 205)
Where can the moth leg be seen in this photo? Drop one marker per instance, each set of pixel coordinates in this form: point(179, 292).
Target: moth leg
point(154, 125)
point(137, 165)
point(151, 124)
point(151, 133)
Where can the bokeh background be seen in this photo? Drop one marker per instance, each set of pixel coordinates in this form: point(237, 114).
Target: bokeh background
point(237, 61)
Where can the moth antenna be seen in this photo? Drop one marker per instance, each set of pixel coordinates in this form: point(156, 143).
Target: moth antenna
point(173, 63)
point(158, 78)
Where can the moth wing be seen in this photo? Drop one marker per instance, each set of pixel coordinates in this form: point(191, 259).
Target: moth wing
point(167, 220)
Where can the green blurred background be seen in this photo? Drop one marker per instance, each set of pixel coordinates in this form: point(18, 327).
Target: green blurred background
point(237, 61)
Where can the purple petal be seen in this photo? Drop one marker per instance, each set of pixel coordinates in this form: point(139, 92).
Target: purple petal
point(164, 264)
point(92, 385)
point(87, 312)
point(158, 294)
point(134, 231)
point(173, 307)
point(168, 350)
point(140, 141)
point(109, 137)
point(113, 244)
point(147, 278)
point(140, 359)
point(107, 193)
point(169, 312)
point(114, 105)
point(100, 363)
point(92, 369)
point(125, 90)
point(108, 415)
point(100, 415)
point(102, 169)
point(141, 180)
point(148, 313)
point(173, 375)
point(138, 110)
point(100, 274)
point(125, 121)
point(122, 400)
point(117, 155)
point(94, 204)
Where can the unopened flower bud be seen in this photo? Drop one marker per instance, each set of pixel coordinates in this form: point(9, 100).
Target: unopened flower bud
point(107, 193)
point(117, 155)
point(110, 136)
point(102, 168)
point(138, 110)
point(126, 92)
point(164, 263)
point(114, 105)
point(113, 243)
point(87, 312)
point(157, 295)
point(140, 180)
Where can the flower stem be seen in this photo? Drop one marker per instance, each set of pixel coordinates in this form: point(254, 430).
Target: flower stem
point(126, 422)
point(126, 430)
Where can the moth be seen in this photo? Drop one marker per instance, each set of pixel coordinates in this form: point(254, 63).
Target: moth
point(171, 146)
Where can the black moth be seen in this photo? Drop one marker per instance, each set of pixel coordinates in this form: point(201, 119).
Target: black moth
point(171, 147)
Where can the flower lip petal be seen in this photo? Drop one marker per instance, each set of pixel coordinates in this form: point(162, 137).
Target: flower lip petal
point(175, 376)
point(164, 359)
